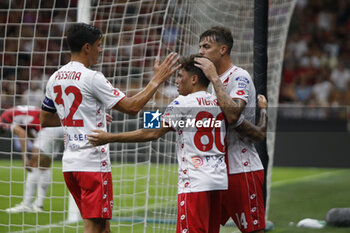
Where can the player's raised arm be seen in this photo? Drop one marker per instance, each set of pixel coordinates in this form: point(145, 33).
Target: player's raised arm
point(142, 135)
point(232, 109)
point(255, 132)
point(132, 105)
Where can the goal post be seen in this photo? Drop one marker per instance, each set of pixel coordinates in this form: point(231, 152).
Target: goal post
point(84, 14)
point(135, 32)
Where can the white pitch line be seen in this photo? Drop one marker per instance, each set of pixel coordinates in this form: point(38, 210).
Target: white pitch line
point(304, 178)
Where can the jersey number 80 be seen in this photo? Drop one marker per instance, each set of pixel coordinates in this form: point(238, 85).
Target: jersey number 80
point(208, 132)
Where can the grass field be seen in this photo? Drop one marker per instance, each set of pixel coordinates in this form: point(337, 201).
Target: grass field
point(296, 193)
point(299, 193)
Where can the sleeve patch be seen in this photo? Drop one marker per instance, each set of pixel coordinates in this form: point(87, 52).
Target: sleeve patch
point(242, 79)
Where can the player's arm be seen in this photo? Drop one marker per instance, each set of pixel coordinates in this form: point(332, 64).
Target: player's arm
point(255, 132)
point(132, 105)
point(142, 135)
point(232, 108)
point(22, 136)
point(48, 113)
point(49, 119)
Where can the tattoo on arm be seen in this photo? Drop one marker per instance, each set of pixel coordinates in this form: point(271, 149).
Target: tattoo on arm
point(256, 133)
point(232, 109)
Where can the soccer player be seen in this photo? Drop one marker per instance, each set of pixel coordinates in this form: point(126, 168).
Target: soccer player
point(200, 148)
point(235, 91)
point(77, 96)
point(25, 123)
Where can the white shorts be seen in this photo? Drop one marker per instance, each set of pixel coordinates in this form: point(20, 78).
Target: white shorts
point(49, 140)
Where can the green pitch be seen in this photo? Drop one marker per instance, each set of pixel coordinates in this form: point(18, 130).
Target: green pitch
point(296, 193)
point(299, 193)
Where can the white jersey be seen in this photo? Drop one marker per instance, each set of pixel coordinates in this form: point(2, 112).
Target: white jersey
point(80, 96)
point(201, 132)
point(242, 155)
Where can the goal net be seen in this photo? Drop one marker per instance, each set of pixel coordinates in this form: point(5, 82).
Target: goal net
point(33, 46)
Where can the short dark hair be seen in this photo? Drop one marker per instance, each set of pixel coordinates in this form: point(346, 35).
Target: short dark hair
point(187, 63)
point(81, 33)
point(221, 35)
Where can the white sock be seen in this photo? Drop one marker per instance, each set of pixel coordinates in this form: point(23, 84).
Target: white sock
point(31, 183)
point(43, 185)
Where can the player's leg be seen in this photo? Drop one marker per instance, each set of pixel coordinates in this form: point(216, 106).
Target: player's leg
point(215, 211)
point(43, 185)
point(95, 200)
point(73, 187)
point(96, 225)
point(31, 184)
point(38, 179)
point(244, 201)
point(45, 145)
point(29, 191)
point(196, 212)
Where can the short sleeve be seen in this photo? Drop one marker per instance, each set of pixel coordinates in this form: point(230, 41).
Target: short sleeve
point(172, 114)
point(239, 87)
point(105, 92)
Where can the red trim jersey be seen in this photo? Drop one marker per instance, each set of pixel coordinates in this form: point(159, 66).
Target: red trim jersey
point(22, 115)
point(80, 96)
point(201, 132)
point(242, 155)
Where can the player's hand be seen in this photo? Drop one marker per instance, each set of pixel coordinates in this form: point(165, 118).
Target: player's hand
point(262, 102)
point(207, 67)
point(166, 69)
point(109, 119)
point(98, 138)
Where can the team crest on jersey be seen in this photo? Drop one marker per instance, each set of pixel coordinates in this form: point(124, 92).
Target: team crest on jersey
point(240, 92)
point(197, 161)
point(175, 102)
point(243, 79)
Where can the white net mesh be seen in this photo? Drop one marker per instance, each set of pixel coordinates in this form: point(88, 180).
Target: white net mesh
point(145, 174)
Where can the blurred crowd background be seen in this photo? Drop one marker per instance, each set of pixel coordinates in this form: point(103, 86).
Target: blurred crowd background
point(316, 69)
point(33, 45)
point(30, 48)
